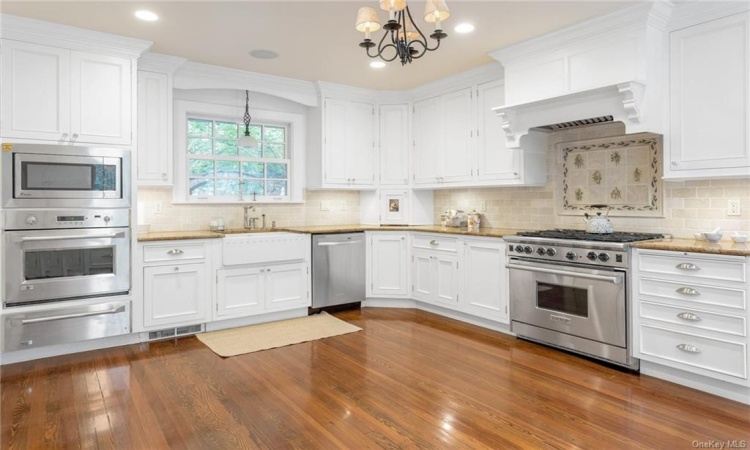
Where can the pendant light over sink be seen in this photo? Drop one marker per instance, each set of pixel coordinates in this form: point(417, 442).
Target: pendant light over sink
point(402, 38)
point(247, 141)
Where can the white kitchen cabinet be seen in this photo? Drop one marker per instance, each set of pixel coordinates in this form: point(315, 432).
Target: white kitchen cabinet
point(348, 143)
point(388, 264)
point(154, 129)
point(442, 139)
point(176, 283)
point(494, 162)
point(244, 291)
point(485, 279)
point(435, 270)
point(709, 101)
point(65, 96)
point(394, 145)
point(690, 313)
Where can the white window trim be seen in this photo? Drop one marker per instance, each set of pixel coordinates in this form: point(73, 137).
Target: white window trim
point(295, 149)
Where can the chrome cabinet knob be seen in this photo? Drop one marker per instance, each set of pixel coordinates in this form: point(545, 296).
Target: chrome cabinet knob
point(175, 251)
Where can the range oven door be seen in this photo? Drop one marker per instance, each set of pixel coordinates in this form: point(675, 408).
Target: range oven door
point(51, 265)
point(578, 301)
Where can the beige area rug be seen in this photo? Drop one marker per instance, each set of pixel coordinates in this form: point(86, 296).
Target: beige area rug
point(263, 336)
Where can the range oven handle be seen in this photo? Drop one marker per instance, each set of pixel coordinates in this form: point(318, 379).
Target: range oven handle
point(613, 279)
point(119, 309)
point(76, 236)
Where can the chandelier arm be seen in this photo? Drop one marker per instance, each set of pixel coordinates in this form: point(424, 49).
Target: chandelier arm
point(382, 48)
point(430, 49)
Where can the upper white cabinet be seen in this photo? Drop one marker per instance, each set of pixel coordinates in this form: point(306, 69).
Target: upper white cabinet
point(155, 118)
point(66, 96)
point(442, 138)
point(709, 100)
point(348, 143)
point(394, 145)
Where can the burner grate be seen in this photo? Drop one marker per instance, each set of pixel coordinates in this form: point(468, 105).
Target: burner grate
point(581, 235)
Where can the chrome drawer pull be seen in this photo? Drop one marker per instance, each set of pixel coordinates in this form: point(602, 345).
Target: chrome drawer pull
point(688, 291)
point(116, 310)
point(689, 316)
point(175, 251)
point(687, 348)
point(687, 266)
point(434, 242)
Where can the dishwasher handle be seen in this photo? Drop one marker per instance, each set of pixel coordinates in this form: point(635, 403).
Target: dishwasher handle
point(332, 244)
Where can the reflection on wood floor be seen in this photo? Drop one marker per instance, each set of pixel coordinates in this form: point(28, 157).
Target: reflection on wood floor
point(410, 379)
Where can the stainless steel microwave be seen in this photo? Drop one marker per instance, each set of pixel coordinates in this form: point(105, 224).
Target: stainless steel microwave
point(63, 176)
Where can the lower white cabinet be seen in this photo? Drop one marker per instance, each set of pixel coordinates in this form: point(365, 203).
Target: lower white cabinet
point(388, 264)
point(176, 294)
point(435, 270)
point(485, 279)
point(690, 312)
point(243, 291)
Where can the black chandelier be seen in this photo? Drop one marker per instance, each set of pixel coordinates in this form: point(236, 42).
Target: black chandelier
point(402, 38)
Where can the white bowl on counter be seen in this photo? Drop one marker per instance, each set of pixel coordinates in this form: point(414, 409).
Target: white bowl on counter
point(712, 237)
point(739, 238)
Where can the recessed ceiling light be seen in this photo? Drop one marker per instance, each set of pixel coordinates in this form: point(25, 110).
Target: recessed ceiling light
point(264, 54)
point(377, 64)
point(464, 28)
point(148, 16)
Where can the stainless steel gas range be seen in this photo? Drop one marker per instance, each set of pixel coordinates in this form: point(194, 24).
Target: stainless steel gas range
point(569, 289)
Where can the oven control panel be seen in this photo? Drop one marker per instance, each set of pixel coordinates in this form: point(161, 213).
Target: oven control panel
point(23, 219)
point(571, 254)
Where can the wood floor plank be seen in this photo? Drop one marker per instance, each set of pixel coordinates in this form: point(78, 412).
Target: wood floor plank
point(409, 379)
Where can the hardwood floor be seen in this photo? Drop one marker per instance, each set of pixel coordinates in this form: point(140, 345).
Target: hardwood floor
point(410, 379)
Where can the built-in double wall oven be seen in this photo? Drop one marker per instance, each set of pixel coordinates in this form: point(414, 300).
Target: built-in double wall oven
point(66, 244)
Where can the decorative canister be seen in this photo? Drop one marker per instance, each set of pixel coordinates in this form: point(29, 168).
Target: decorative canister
point(473, 221)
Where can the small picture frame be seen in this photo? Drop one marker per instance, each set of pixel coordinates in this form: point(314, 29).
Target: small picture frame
point(393, 205)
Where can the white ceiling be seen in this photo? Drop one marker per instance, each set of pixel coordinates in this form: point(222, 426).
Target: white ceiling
point(316, 40)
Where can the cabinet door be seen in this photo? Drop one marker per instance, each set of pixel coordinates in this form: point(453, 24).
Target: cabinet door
point(485, 280)
point(456, 130)
point(240, 291)
point(360, 137)
point(445, 280)
point(154, 129)
point(335, 142)
point(101, 98)
point(422, 277)
point(428, 141)
point(389, 265)
point(175, 294)
point(494, 160)
point(36, 91)
point(286, 286)
point(710, 98)
point(394, 142)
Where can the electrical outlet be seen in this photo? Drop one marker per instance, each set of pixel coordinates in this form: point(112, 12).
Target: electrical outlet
point(158, 208)
point(483, 206)
point(733, 207)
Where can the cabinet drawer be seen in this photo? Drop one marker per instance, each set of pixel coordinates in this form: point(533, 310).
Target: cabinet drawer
point(680, 293)
point(694, 267)
point(177, 251)
point(724, 357)
point(694, 318)
point(445, 244)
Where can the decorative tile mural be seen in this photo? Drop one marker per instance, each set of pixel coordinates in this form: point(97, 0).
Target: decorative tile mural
point(621, 172)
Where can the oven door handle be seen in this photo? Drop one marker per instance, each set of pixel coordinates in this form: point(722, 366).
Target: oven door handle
point(613, 279)
point(72, 237)
point(119, 309)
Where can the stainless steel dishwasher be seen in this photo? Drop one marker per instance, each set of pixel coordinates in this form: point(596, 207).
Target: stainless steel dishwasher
point(338, 269)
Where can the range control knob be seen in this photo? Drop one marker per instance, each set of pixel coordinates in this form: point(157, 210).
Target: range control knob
point(541, 251)
point(527, 249)
point(551, 252)
point(106, 219)
point(571, 256)
point(31, 219)
point(591, 256)
point(519, 249)
point(603, 257)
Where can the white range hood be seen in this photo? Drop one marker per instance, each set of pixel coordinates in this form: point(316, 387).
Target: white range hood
point(616, 103)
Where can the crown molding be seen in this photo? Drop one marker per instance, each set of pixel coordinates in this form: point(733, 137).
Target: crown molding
point(63, 36)
point(687, 13)
point(482, 74)
point(156, 62)
point(203, 76)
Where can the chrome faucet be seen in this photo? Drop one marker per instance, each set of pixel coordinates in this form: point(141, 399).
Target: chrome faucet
point(249, 222)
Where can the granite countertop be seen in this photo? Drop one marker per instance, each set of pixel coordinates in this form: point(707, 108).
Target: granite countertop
point(691, 245)
point(205, 234)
